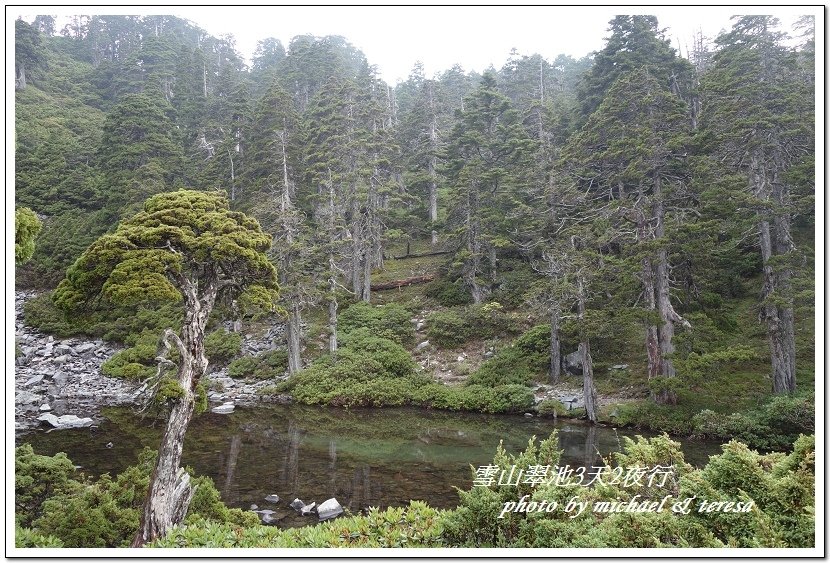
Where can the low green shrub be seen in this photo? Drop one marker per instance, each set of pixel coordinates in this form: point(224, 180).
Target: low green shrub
point(416, 525)
point(137, 362)
point(519, 364)
point(508, 367)
point(266, 365)
point(222, 346)
point(24, 537)
point(551, 408)
point(372, 371)
point(780, 487)
point(60, 506)
point(451, 329)
point(448, 293)
point(448, 329)
point(771, 426)
point(35, 478)
point(391, 321)
point(41, 313)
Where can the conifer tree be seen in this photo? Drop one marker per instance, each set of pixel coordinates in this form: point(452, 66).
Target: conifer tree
point(186, 247)
point(488, 159)
point(757, 117)
point(630, 158)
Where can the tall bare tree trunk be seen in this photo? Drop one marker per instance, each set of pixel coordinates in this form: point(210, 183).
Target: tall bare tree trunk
point(471, 265)
point(668, 315)
point(555, 347)
point(294, 333)
point(431, 168)
point(652, 337)
point(588, 390)
point(21, 78)
point(776, 307)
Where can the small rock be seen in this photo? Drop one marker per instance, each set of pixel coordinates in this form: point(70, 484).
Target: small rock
point(45, 407)
point(297, 504)
point(461, 358)
point(65, 421)
point(308, 509)
point(420, 325)
point(34, 380)
point(329, 509)
point(421, 346)
point(24, 397)
point(225, 408)
point(254, 507)
point(529, 415)
point(60, 360)
point(272, 498)
point(85, 347)
point(620, 366)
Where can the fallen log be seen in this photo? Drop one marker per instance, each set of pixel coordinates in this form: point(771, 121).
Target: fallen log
point(394, 284)
point(422, 255)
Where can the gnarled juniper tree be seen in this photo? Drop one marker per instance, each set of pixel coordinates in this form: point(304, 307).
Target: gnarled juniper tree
point(184, 246)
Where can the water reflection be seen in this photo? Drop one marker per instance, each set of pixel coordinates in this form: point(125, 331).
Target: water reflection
point(362, 457)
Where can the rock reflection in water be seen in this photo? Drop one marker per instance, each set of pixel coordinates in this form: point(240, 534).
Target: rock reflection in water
point(361, 457)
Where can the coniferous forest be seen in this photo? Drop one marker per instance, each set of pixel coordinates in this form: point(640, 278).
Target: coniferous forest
point(624, 240)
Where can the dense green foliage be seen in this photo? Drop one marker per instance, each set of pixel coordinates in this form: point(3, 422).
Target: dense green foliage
point(26, 228)
point(372, 371)
point(452, 328)
point(780, 486)
point(391, 321)
point(416, 525)
point(266, 365)
point(58, 507)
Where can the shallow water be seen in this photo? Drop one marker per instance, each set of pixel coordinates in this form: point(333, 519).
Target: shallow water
point(362, 457)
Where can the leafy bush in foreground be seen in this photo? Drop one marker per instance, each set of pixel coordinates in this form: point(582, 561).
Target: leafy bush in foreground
point(60, 506)
point(781, 488)
point(416, 525)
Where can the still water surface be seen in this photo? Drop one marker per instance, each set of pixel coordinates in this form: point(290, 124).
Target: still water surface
point(362, 457)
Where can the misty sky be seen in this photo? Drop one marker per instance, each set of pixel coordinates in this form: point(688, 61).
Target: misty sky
point(395, 37)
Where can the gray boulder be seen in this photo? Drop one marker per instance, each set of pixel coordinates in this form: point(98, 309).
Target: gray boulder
point(65, 421)
point(308, 509)
point(85, 347)
point(25, 397)
point(297, 504)
point(572, 363)
point(272, 498)
point(329, 509)
point(225, 408)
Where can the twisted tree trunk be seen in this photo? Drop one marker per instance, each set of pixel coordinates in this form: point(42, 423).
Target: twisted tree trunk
point(170, 493)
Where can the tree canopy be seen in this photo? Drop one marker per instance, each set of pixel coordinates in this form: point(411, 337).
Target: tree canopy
point(182, 241)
